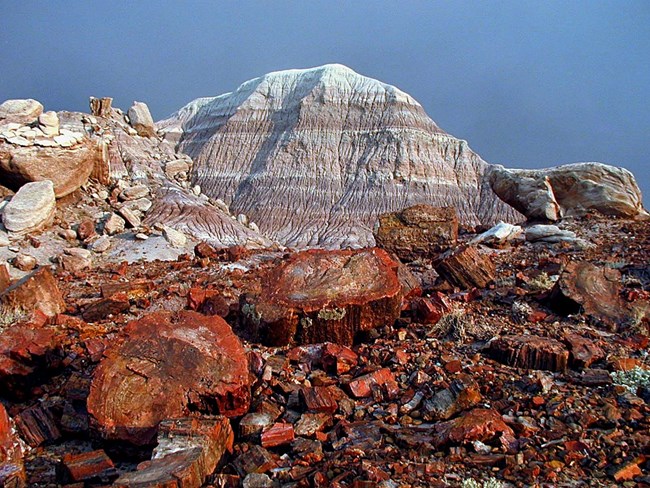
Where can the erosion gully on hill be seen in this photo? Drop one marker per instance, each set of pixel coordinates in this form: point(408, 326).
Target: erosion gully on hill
point(519, 380)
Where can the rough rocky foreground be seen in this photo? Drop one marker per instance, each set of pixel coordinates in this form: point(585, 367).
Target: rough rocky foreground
point(537, 378)
point(315, 156)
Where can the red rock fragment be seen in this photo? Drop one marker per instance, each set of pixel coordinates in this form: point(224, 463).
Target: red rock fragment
point(463, 393)
point(86, 230)
point(134, 290)
point(338, 359)
point(91, 467)
point(12, 471)
point(480, 424)
point(465, 267)
point(316, 296)
point(430, 310)
point(318, 399)
point(37, 426)
point(168, 365)
point(278, 434)
point(36, 291)
point(628, 471)
point(529, 352)
point(583, 351)
point(205, 250)
point(362, 387)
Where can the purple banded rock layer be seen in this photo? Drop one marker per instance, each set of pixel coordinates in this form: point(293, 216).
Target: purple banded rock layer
point(315, 156)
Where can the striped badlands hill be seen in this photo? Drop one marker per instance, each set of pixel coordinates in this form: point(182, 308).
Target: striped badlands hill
point(314, 156)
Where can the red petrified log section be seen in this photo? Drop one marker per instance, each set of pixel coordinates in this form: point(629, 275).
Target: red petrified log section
point(530, 352)
point(168, 365)
point(316, 296)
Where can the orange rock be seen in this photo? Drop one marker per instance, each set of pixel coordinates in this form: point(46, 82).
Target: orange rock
point(168, 365)
point(628, 472)
point(480, 424)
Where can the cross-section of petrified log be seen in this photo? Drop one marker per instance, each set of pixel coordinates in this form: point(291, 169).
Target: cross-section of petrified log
point(530, 352)
point(168, 365)
point(316, 296)
point(466, 267)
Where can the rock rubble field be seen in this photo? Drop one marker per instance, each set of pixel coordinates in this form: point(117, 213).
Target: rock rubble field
point(153, 335)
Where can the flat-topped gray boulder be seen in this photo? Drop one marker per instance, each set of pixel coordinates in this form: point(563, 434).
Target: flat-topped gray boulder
point(569, 190)
point(31, 208)
point(20, 111)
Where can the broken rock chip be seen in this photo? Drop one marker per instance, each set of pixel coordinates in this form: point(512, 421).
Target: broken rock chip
point(417, 231)
point(465, 267)
point(31, 208)
point(316, 296)
point(168, 365)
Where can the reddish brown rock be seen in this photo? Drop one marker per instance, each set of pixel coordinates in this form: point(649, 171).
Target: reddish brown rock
point(480, 424)
point(36, 291)
point(12, 472)
point(168, 365)
point(134, 290)
point(586, 288)
point(316, 296)
point(529, 352)
point(318, 399)
point(277, 435)
point(429, 310)
point(418, 231)
point(583, 351)
point(37, 426)
point(90, 467)
point(338, 359)
point(86, 230)
point(106, 307)
point(255, 460)
point(465, 267)
point(381, 379)
point(205, 250)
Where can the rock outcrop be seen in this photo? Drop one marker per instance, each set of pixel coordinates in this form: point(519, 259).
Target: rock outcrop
point(31, 208)
point(569, 190)
point(169, 365)
point(141, 120)
point(316, 296)
point(315, 156)
point(20, 111)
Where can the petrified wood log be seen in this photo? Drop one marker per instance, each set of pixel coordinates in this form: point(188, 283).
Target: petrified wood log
point(101, 107)
point(316, 296)
point(466, 267)
point(168, 365)
point(529, 352)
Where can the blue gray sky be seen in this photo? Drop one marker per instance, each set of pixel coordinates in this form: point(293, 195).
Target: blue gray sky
point(527, 83)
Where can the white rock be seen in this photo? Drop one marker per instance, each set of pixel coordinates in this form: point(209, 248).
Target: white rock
point(253, 226)
point(499, 234)
point(114, 224)
point(24, 262)
point(79, 252)
point(4, 239)
point(102, 244)
point(139, 205)
point(134, 192)
point(20, 141)
point(65, 140)
point(44, 142)
point(175, 167)
point(548, 233)
point(24, 111)
point(141, 236)
point(242, 219)
point(174, 237)
point(31, 208)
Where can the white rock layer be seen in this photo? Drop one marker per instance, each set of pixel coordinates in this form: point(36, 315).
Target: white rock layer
point(314, 156)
